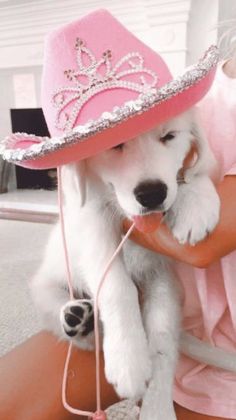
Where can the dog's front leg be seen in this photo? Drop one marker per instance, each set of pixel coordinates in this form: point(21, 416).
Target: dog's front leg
point(127, 362)
point(162, 323)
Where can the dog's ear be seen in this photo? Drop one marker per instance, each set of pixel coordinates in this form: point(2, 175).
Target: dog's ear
point(74, 182)
point(204, 162)
point(80, 181)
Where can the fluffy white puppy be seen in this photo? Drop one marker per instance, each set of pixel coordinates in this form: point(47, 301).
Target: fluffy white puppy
point(135, 178)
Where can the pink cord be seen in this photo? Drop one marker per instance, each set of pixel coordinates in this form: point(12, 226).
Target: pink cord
point(99, 414)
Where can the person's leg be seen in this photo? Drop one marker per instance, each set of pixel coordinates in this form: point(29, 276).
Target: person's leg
point(31, 378)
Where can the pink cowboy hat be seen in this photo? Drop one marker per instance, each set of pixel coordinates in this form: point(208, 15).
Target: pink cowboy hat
point(102, 86)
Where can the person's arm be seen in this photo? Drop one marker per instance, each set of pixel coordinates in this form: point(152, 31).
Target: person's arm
point(31, 377)
point(31, 381)
point(218, 244)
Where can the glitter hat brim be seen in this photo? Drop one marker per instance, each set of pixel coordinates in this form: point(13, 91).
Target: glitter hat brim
point(120, 125)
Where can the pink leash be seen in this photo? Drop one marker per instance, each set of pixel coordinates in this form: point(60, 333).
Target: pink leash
point(99, 414)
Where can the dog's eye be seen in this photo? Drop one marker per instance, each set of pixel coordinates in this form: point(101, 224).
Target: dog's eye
point(167, 137)
point(118, 147)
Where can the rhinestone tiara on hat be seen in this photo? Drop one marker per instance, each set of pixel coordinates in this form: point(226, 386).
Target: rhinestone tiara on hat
point(93, 77)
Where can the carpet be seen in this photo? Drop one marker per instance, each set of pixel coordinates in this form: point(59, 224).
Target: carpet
point(21, 250)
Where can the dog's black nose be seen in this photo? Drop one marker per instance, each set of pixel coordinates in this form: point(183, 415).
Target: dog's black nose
point(151, 194)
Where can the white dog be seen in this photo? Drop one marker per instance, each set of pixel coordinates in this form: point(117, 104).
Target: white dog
point(135, 178)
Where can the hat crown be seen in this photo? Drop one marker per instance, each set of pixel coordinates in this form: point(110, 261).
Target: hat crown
point(93, 65)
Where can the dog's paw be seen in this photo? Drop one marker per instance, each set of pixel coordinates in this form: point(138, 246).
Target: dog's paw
point(77, 318)
point(195, 212)
point(128, 369)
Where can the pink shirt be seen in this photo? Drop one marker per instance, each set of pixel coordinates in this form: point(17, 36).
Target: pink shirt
point(210, 294)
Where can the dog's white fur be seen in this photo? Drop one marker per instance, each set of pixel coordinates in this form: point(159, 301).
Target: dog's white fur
point(138, 346)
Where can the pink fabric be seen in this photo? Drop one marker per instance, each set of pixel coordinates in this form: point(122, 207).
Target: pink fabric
point(210, 294)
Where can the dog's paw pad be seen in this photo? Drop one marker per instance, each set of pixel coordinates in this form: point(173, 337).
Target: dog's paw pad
point(88, 326)
point(77, 318)
point(71, 333)
point(78, 311)
point(72, 320)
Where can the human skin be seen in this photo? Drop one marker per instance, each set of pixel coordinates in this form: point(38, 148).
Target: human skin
point(218, 244)
point(31, 377)
point(229, 67)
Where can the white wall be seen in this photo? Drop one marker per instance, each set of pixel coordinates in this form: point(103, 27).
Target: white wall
point(202, 28)
point(8, 98)
point(25, 22)
point(227, 20)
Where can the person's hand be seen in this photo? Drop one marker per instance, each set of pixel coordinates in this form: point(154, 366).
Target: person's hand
point(219, 243)
point(161, 240)
point(229, 68)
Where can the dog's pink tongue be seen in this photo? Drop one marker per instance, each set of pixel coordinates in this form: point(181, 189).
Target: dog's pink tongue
point(149, 223)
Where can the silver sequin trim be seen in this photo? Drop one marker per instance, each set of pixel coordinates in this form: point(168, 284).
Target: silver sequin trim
point(144, 102)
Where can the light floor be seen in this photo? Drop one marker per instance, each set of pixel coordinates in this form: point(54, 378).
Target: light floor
point(21, 250)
